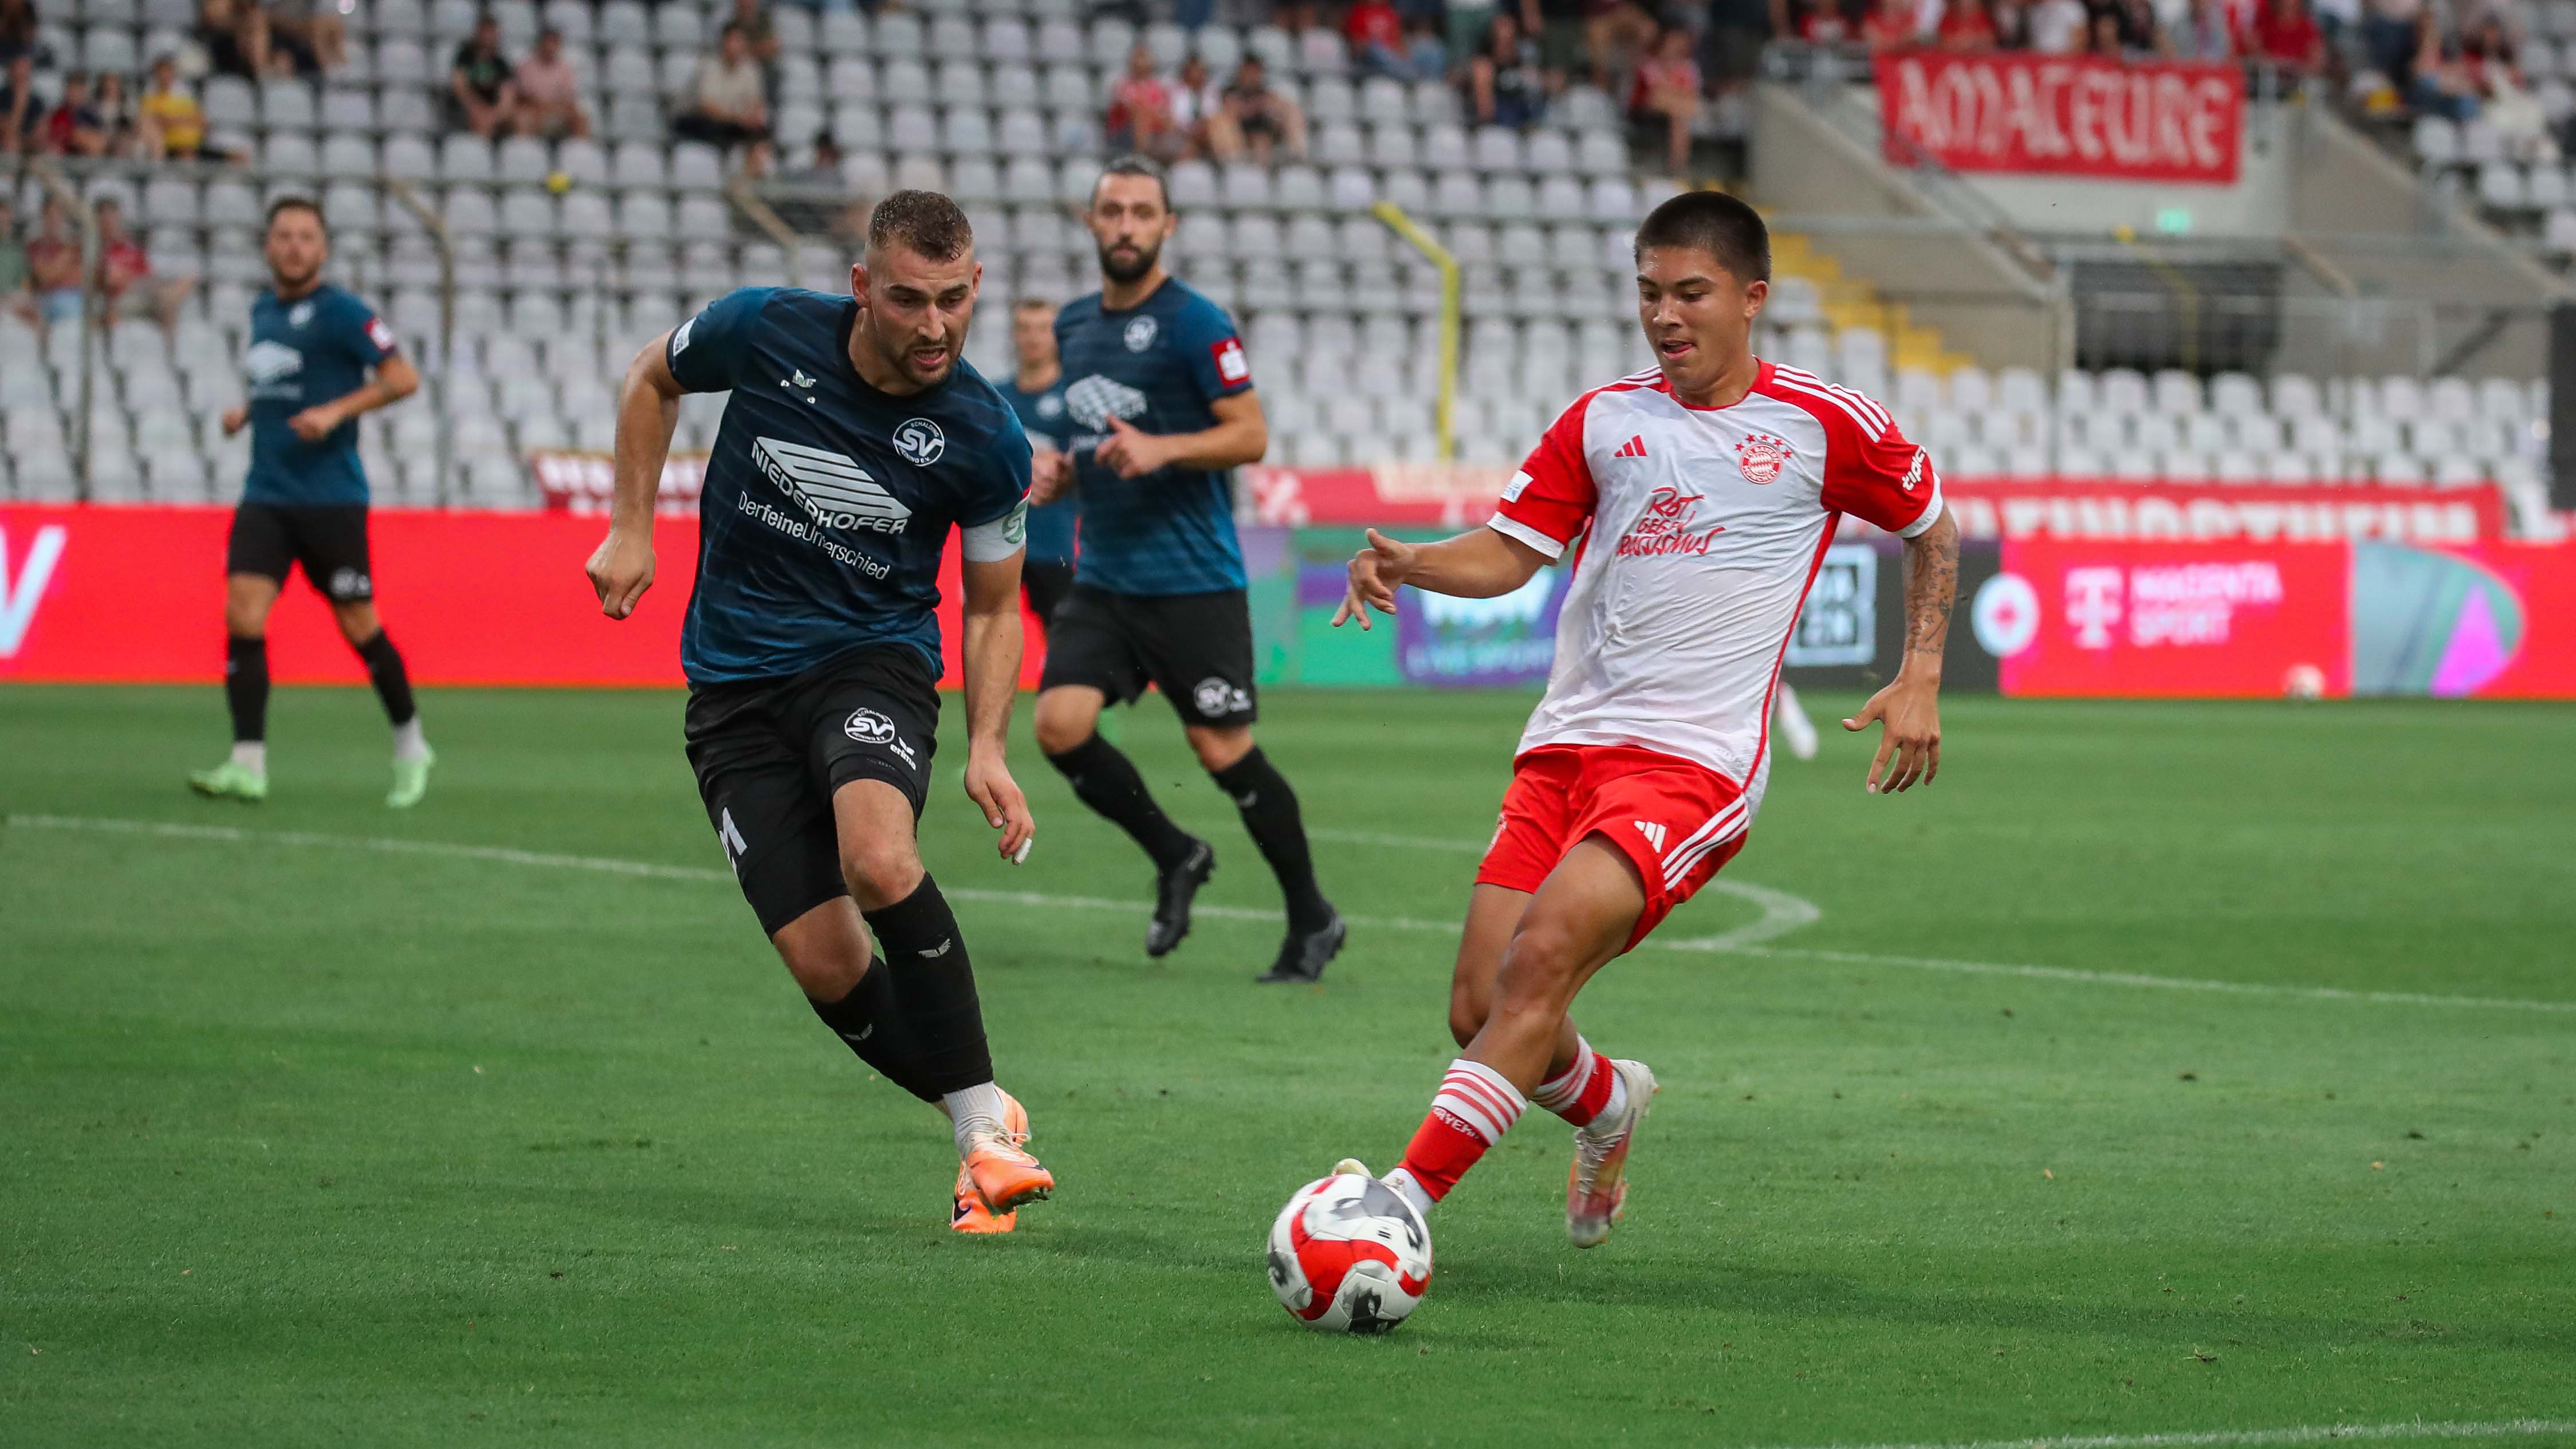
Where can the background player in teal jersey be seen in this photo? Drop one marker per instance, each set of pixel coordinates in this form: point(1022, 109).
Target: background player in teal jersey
point(1161, 400)
point(1036, 393)
point(305, 500)
point(854, 440)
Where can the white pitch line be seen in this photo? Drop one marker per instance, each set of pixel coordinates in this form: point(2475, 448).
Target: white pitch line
point(1735, 942)
point(2304, 1434)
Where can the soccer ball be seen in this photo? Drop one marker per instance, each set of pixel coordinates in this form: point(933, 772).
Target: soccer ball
point(2304, 681)
point(1349, 1255)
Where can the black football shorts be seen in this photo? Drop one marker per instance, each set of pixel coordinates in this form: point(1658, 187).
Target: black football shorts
point(1196, 648)
point(770, 753)
point(328, 540)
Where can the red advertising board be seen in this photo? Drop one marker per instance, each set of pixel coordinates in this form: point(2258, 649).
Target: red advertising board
point(136, 594)
point(2063, 115)
point(2166, 619)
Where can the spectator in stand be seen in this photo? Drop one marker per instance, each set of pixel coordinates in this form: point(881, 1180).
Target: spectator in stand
point(2012, 23)
point(2388, 37)
point(1737, 31)
point(480, 97)
point(54, 267)
point(2204, 33)
point(2057, 27)
point(17, 30)
point(751, 17)
point(115, 113)
point(238, 41)
point(1376, 36)
point(1665, 95)
point(1616, 35)
point(1966, 28)
point(1506, 85)
point(2442, 84)
point(169, 123)
point(1890, 26)
point(312, 28)
point(1140, 116)
point(2505, 101)
point(127, 285)
point(2102, 38)
point(1195, 100)
point(1826, 22)
point(22, 112)
point(548, 93)
point(2286, 34)
point(75, 128)
point(13, 264)
point(729, 102)
point(2142, 32)
point(1424, 51)
point(1254, 116)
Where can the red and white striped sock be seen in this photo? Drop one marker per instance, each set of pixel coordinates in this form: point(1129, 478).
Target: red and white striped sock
point(1473, 1110)
point(1585, 1091)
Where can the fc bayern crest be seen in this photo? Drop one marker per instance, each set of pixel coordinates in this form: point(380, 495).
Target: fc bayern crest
point(920, 441)
point(1140, 334)
point(1761, 457)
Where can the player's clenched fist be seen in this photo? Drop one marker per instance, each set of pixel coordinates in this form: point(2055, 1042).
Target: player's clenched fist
point(1050, 476)
point(620, 570)
point(1377, 571)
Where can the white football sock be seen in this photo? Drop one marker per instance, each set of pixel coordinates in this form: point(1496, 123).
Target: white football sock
point(976, 1109)
point(252, 755)
point(409, 742)
point(1402, 1181)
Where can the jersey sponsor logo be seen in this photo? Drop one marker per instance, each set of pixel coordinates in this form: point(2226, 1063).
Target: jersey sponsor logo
point(831, 487)
point(299, 314)
point(380, 334)
point(869, 727)
point(1512, 490)
point(919, 441)
point(1666, 527)
point(1231, 365)
point(1141, 333)
point(1096, 399)
point(1635, 447)
point(1051, 405)
point(271, 362)
point(1215, 698)
point(1653, 830)
point(1762, 457)
point(680, 339)
point(1914, 470)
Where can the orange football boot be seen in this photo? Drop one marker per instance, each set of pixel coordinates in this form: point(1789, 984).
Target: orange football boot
point(1596, 1186)
point(1003, 1173)
point(970, 1215)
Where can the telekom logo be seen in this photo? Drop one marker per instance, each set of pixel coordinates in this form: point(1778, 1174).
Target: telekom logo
point(23, 587)
point(2093, 605)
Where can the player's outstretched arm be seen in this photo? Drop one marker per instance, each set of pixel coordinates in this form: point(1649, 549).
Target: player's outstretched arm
point(1241, 436)
point(1910, 705)
point(395, 380)
point(648, 408)
point(1477, 564)
point(993, 643)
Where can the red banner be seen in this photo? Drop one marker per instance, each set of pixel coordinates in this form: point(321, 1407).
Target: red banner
point(2063, 115)
point(2167, 619)
point(137, 595)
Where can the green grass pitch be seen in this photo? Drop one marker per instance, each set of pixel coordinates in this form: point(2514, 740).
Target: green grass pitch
point(308, 1142)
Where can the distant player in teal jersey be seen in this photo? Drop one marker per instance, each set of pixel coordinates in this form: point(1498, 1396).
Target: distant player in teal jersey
point(305, 500)
point(1163, 411)
point(855, 439)
point(1036, 393)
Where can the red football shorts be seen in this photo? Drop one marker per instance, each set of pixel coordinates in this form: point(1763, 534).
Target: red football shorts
point(1678, 821)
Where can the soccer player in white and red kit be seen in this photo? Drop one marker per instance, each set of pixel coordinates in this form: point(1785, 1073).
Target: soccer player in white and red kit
point(1696, 501)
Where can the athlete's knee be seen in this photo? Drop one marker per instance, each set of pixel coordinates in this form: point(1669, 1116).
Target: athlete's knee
point(823, 951)
point(246, 605)
point(358, 622)
point(881, 870)
point(1064, 721)
point(1219, 746)
point(1467, 1012)
point(1541, 968)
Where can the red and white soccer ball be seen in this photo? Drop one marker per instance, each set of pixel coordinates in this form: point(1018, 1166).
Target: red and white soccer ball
point(1349, 1255)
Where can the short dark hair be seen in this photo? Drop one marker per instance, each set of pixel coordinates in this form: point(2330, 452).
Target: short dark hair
point(1713, 222)
point(1033, 304)
point(1137, 164)
point(297, 202)
point(924, 222)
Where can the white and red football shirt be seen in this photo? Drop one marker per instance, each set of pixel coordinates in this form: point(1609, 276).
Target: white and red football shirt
point(1702, 529)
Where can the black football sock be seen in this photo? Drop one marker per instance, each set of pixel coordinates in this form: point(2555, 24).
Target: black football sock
point(1107, 781)
point(869, 1022)
point(246, 688)
point(393, 686)
point(1269, 810)
point(935, 988)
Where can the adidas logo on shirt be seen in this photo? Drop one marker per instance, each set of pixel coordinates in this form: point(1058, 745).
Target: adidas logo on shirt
point(1635, 447)
point(1653, 830)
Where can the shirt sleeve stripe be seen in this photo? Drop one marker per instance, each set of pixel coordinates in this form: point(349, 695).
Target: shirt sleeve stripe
point(1931, 510)
point(1514, 528)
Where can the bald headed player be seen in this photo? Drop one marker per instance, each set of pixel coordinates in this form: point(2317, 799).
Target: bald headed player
point(855, 438)
point(1163, 411)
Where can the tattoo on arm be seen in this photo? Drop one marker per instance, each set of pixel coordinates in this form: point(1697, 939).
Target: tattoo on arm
point(1931, 587)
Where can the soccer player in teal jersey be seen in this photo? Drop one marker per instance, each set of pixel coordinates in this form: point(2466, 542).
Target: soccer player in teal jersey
point(1162, 406)
point(855, 438)
point(305, 499)
point(1036, 393)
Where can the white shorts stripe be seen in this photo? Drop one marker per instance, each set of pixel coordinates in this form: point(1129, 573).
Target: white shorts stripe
point(1678, 869)
point(1712, 823)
